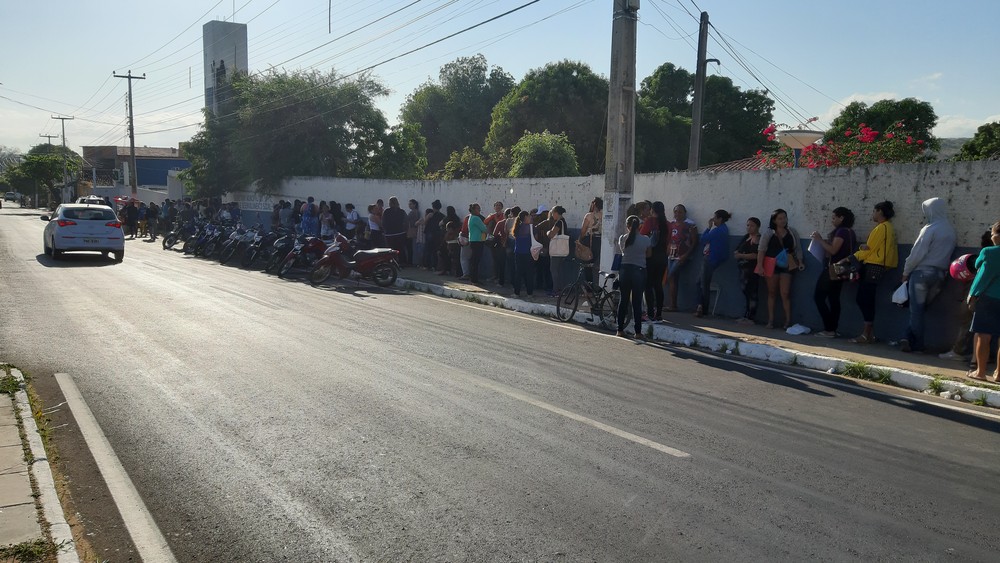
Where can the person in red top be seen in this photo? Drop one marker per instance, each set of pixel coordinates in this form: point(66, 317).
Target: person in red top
point(683, 240)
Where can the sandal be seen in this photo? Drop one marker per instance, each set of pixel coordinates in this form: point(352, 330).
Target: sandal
point(974, 374)
point(861, 340)
point(699, 312)
point(769, 325)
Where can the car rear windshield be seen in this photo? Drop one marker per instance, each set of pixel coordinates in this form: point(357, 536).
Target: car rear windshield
point(89, 214)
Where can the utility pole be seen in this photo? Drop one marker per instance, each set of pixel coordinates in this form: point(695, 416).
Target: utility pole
point(63, 119)
point(694, 152)
point(619, 164)
point(49, 137)
point(133, 173)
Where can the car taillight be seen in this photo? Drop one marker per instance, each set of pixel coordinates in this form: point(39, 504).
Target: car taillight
point(65, 223)
point(114, 224)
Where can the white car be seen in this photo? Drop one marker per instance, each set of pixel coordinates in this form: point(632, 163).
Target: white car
point(80, 227)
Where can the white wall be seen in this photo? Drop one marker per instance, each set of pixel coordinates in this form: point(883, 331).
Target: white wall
point(808, 195)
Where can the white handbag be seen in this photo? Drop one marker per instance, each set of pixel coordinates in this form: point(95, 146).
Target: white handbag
point(536, 247)
point(559, 246)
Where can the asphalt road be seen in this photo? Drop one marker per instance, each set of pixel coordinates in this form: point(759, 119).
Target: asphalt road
point(267, 420)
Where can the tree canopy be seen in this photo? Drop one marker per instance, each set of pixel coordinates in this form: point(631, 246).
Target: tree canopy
point(543, 155)
point(984, 145)
point(455, 112)
point(299, 124)
point(564, 97)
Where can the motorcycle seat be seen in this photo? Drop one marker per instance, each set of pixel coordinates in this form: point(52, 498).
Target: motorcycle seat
point(368, 253)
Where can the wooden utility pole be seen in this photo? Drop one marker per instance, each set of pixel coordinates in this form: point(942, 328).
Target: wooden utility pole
point(133, 173)
point(619, 168)
point(49, 137)
point(694, 152)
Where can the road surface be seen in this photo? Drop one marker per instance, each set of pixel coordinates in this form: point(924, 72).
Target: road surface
point(266, 420)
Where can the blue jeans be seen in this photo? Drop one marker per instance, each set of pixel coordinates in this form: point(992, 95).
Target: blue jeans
point(705, 283)
point(923, 287)
point(632, 284)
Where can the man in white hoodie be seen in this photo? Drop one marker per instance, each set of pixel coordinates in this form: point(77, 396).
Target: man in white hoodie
point(925, 269)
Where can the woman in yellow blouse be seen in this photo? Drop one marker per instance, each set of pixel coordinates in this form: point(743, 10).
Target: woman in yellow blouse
point(876, 256)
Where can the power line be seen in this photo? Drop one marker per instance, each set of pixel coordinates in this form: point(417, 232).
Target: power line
point(353, 31)
point(195, 22)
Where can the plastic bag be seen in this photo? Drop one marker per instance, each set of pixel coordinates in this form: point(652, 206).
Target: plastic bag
point(902, 294)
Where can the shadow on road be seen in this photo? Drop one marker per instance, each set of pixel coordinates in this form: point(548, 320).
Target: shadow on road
point(76, 260)
point(807, 382)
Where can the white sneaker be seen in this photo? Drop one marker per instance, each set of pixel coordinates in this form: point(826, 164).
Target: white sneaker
point(951, 355)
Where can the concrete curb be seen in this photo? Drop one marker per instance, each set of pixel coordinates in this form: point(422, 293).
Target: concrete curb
point(766, 352)
point(60, 531)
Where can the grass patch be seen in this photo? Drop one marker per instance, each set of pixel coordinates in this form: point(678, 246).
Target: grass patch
point(936, 386)
point(38, 550)
point(649, 331)
point(882, 375)
point(857, 370)
point(9, 385)
point(981, 400)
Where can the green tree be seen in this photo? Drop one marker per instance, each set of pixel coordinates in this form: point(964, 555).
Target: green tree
point(543, 155)
point(464, 164)
point(455, 112)
point(911, 114)
point(299, 124)
point(732, 120)
point(566, 97)
point(985, 145)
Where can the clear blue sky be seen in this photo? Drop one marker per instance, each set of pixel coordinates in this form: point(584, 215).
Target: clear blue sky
point(815, 55)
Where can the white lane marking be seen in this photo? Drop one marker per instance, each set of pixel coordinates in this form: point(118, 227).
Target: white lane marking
point(855, 386)
point(580, 418)
point(146, 536)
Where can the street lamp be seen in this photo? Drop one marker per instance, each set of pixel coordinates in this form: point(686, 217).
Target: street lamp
point(798, 139)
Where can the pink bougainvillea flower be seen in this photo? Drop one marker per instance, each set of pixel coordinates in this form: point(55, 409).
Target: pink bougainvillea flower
point(853, 153)
point(848, 133)
point(909, 140)
point(889, 135)
point(920, 142)
point(760, 151)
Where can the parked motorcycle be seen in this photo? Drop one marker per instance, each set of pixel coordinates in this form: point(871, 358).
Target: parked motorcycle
point(280, 249)
point(216, 240)
point(261, 247)
point(304, 254)
point(179, 233)
point(380, 265)
point(239, 239)
point(194, 243)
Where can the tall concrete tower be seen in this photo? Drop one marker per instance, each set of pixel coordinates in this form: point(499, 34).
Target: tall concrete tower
point(224, 45)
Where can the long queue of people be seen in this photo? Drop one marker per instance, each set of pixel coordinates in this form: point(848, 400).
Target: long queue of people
point(655, 250)
point(520, 246)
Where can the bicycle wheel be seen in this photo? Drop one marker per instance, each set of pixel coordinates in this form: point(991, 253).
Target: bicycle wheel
point(607, 310)
point(569, 301)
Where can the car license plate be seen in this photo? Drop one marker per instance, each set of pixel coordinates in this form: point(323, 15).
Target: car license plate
point(91, 240)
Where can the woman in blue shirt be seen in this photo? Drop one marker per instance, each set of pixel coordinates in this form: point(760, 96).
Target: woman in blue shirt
point(477, 241)
point(716, 241)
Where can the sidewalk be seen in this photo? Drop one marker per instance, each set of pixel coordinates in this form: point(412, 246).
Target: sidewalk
point(20, 517)
point(914, 371)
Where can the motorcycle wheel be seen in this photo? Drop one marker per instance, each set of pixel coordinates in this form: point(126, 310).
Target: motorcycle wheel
point(272, 263)
point(169, 241)
point(209, 249)
point(188, 246)
point(227, 253)
point(385, 274)
point(320, 274)
point(248, 258)
point(286, 266)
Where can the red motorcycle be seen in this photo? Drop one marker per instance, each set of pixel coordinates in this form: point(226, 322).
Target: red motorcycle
point(306, 252)
point(379, 265)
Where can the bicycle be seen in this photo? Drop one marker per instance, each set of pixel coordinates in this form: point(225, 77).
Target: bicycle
point(603, 300)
